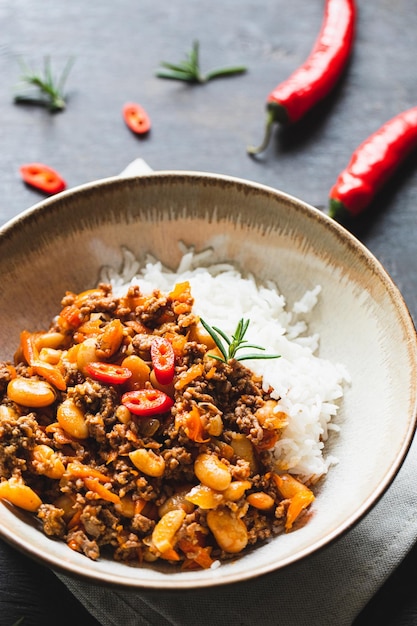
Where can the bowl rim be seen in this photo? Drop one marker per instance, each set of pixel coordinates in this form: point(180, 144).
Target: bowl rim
point(342, 233)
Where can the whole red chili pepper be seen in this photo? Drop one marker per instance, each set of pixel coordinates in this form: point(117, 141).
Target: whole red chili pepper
point(318, 75)
point(372, 163)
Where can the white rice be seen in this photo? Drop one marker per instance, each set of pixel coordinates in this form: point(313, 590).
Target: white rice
point(308, 388)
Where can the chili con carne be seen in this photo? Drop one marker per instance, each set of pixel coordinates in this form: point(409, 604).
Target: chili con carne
point(108, 372)
point(372, 163)
point(136, 118)
point(147, 402)
point(163, 360)
point(318, 75)
point(42, 177)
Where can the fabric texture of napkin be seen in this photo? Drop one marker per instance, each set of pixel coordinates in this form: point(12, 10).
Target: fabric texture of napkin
point(327, 589)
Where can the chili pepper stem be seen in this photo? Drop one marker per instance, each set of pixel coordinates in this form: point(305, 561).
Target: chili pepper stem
point(275, 114)
point(270, 120)
point(337, 210)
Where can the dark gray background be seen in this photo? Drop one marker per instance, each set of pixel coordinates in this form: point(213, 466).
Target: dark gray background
point(118, 47)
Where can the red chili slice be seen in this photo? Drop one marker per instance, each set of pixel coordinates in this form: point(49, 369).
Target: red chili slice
point(42, 177)
point(146, 402)
point(136, 118)
point(163, 360)
point(108, 373)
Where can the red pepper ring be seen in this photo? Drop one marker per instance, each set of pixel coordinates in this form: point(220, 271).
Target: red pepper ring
point(108, 372)
point(42, 177)
point(163, 360)
point(136, 118)
point(146, 402)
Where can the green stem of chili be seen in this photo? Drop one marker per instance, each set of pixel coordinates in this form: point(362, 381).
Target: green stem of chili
point(275, 114)
point(338, 211)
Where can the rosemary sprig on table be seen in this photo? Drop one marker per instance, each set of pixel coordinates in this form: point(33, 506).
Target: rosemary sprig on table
point(49, 91)
point(235, 343)
point(189, 69)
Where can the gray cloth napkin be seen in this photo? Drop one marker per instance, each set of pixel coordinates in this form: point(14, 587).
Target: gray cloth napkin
point(327, 589)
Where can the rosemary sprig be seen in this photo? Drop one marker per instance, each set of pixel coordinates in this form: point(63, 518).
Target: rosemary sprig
point(49, 91)
point(189, 69)
point(235, 343)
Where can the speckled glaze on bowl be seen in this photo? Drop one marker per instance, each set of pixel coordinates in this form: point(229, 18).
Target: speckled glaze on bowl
point(61, 244)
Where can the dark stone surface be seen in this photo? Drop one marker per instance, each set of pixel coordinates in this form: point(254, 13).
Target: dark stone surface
point(117, 48)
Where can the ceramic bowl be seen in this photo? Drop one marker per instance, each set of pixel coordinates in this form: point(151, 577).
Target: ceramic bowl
point(63, 242)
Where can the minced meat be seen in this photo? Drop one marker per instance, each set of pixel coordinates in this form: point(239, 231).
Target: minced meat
point(108, 477)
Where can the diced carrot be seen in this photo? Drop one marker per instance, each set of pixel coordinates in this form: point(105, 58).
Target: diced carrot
point(299, 495)
point(72, 352)
point(73, 545)
point(83, 296)
point(170, 555)
point(181, 291)
point(191, 374)
point(139, 506)
point(178, 342)
point(194, 427)
point(105, 494)
point(51, 373)
point(196, 553)
point(79, 470)
point(12, 370)
point(75, 519)
point(70, 317)
point(181, 308)
point(29, 349)
point(132, 301)
point(181, 298)
point(269, 439)
point(211, 373)
point(90, 327)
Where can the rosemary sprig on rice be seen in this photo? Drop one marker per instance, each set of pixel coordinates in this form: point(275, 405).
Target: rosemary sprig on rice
point(235, 343)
